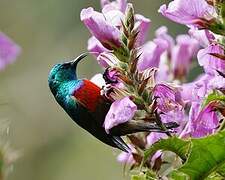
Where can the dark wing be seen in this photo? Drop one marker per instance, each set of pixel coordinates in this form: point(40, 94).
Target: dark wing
point(90, 123)
point(90, 114)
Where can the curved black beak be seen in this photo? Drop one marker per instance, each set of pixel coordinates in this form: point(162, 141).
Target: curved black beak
point(78, 59)
point(74, 62)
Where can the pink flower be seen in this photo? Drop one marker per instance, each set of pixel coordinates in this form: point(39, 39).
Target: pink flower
point(209, 62)
point(188, 12)
point(8, 51)
point(111, 77)
point(127, 158)
point(114, 5)
point(120, 112)
point(197, 90)
point(217, 82)
point(105, 26)
point(163, 73)
point(168, 99)
point(104, 31)
point(152, 138)
point(151, 53)
point(193, 113)
point(201, 122)
point(113, 16)
point(187, 92)
point(162, 33)
point(107, 59)
point(142, 25)
point(114, 12)
point(204, 37)
point(182, 55)
point(95, 46)
point(177, 116)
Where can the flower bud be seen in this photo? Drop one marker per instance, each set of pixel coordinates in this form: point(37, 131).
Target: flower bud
point(129, 17)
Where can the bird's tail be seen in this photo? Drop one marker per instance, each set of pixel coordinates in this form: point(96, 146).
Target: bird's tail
point(136, 126)
point(121, 144)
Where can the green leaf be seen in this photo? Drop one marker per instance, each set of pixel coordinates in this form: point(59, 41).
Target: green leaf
point(138, 177)
point(214, 96)
point(207, 155)
point(221, 170)
point(176, 175)
point(144, 176)
point(174, 144)
point(215, 176)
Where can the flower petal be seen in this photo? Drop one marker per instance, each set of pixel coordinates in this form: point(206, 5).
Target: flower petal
point(107, 59)
point(120, 112)
point(142, 25)
point(205, 122)
point(162, 32)
point(204, 37)
point(114, 5)
point(209, 62)
point(151, 52)
point(8, 51)
point(187, 12)
point(95, 46)
point(168, 99)
point(104, 31)
point(182, 55)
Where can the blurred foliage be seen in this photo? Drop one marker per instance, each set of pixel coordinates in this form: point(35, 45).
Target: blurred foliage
point(52, 146)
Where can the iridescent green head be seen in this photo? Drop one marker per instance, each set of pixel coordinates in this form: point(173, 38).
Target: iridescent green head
point(63, 72)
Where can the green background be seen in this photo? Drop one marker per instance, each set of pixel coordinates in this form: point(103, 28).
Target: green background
point(52, 147)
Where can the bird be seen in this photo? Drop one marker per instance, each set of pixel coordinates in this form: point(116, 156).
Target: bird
point(82, 101)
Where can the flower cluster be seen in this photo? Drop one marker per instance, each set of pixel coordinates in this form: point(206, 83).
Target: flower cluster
point(9, 51)
point(148, 80)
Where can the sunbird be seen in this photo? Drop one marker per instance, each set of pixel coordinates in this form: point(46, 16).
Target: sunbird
point(83, 102)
